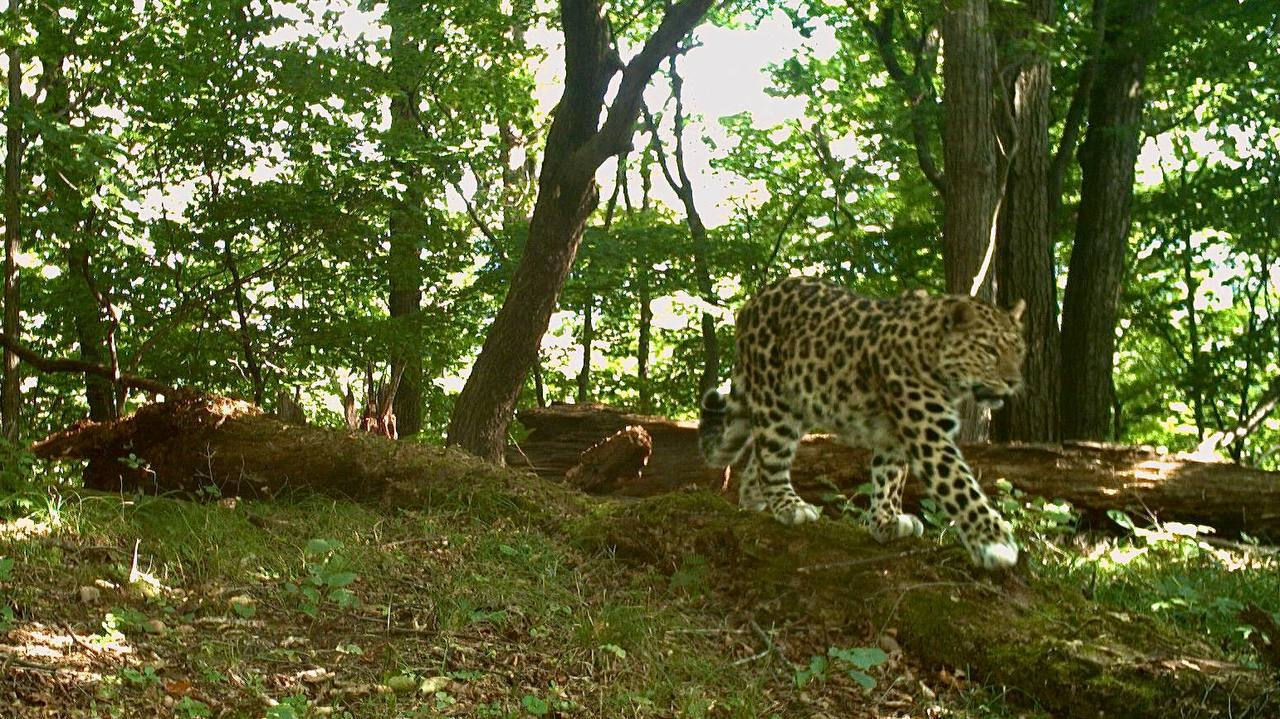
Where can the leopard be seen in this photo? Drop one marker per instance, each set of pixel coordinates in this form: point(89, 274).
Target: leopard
point(884, 373)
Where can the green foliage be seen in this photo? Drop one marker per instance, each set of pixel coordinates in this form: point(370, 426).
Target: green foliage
point(326, 578)
point(854, 662)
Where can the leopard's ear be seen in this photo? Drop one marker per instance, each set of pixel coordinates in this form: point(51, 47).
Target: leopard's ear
point(1018, 308)
point(963, 315)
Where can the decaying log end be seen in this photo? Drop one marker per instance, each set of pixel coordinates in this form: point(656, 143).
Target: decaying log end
point(618, 458)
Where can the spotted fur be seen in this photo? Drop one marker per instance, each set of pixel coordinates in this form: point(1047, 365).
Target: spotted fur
point(885, 374)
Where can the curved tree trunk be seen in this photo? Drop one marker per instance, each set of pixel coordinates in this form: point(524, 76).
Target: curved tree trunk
point(577, 144)
point(10, 399)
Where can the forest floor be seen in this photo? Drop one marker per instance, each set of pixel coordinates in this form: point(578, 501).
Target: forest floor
point(138, 606)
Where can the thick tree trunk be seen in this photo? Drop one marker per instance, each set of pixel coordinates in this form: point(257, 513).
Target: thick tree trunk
point(577, 144)
point(406, 224)
point(10, 399)
point(1094, 478)
point(969, 154)
point(1061, 652)
point(1090, 307)
point(1024, 251)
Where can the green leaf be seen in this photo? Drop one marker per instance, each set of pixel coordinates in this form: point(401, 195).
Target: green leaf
point(860, 657)
point(866, 680)
point(534, 705)
point(341, 579)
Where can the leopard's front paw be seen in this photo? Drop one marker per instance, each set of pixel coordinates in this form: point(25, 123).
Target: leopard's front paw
point(796, 511)
point(904, 525)
point(996, 555)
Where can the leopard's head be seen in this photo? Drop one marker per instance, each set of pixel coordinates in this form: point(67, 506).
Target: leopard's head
point(982, 351)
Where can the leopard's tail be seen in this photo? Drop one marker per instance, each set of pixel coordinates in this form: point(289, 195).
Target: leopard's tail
point(724, 432)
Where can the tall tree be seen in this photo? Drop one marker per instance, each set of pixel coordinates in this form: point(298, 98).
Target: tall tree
point(407, 221)
point(577, 144)
point(1024, 245)
point(682, 185)
point(10, 399)
point(969, 156)
point(1091, 304)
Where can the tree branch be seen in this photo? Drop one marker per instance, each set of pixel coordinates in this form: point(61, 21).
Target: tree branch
point(52, 366)
point(1074, 119)
point(916, 85)
point(614, 136)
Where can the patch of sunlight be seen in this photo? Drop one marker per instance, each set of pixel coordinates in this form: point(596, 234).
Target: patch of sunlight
point(1120, 556)
point(24, 528)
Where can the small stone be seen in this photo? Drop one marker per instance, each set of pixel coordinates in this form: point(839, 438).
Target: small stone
point(889, 645)
point(154, 626)
point(402, 684)
point(90, 595)
point(431, 685)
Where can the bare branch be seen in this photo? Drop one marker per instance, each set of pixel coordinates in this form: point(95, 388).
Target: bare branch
point(51, 366)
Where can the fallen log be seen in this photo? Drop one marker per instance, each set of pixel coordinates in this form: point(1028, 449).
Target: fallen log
point(1094, 478)
point(1061, 653)
point(619, 458)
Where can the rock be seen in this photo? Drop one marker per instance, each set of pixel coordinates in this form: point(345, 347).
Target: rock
point(90, 595)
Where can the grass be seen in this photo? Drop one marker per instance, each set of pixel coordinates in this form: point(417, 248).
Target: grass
point(489, 607)
point(144, 606)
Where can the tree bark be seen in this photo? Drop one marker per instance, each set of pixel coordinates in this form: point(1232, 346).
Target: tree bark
point(588, 339)
point(1094, 478)
point(1090, 306)
point(577, 144)
point(969, 154)
point(1025, 250)
point(645, 404)
point(99, 392)
point(406, 224)
point(10, 397)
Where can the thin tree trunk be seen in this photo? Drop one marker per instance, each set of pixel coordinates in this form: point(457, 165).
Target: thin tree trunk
point(577, 144)
point(245, 335)
point(1091, 304)
point(1024, 250)
point(539, 388)
point(10, 397)
point(683, 187)
point(588, 338)
point(970, 160)
point(642, 344)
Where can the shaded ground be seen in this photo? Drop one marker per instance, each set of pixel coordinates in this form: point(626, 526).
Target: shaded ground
point(448, 615)
point(459, 588)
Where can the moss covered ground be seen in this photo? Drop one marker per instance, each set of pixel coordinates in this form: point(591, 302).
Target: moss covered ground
point(505, 596)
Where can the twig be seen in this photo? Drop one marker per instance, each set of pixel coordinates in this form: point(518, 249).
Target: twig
point(768, 646)
point(868, 560)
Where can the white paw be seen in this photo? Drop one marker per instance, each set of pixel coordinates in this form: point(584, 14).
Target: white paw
point(905, 525)
point(909, 525)
point(797, 512)
point(996, 555)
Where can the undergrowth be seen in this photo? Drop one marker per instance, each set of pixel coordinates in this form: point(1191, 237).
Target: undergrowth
point(146, 606)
